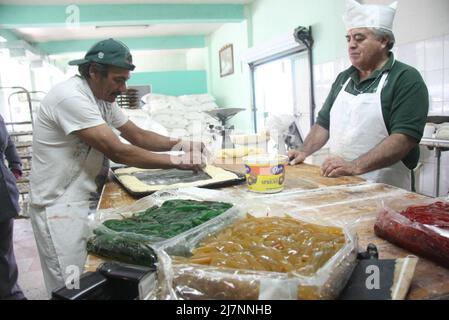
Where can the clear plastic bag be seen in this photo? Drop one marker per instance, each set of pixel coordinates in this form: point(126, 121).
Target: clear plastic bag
point(192, 281)
point(137, 248)
point(351, 208)
point(422, 229)
point(124, 247)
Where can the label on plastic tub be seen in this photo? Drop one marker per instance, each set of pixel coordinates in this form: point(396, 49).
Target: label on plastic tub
point(265, 173)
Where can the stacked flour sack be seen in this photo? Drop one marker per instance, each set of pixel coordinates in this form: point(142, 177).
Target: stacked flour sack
point(183, 116)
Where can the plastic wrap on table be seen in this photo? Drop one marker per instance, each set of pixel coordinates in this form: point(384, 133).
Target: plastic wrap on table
point(422, 229)
point(128, 234)
point(346, 204)
point(170, 218)
point(180, 280)
point(128, 248)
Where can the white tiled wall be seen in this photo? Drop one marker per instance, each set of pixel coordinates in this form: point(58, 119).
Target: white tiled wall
point(324, 76)
point(431, 58)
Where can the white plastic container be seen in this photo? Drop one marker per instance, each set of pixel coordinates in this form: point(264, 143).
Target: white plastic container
point(265, 173)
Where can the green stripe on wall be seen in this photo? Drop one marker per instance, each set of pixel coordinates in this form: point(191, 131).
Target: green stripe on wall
point(16, 16)
point(8, 35)
point(136, 43)
point(174, 83)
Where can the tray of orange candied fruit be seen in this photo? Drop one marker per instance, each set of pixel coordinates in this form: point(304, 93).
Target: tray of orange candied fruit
point(276, 257)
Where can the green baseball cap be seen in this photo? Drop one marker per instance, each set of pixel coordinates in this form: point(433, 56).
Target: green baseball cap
point(110, 52)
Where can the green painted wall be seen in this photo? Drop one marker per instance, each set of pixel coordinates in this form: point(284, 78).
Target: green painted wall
point(135, 43)
point(325, 17)
point(267, 20)
point(16, 16)
point(230, 91)
point(8, 35)
point(174, 83)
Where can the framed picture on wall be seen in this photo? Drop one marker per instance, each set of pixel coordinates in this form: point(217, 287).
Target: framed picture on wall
point(226, 60)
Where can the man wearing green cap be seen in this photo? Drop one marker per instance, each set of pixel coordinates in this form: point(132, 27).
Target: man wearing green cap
point(72, 144)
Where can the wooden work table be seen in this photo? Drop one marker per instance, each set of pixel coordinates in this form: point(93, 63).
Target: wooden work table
point(304, 177)
point(430, 281)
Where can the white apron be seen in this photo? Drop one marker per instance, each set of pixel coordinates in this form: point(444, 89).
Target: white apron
point(61, 229)
point(357, 126)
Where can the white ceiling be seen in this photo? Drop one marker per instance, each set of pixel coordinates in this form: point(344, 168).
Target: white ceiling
point(91, 32)
point(43, 34)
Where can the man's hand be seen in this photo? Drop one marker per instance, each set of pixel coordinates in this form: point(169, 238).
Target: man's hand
point(17, 173)
point(191, 146)
point(296, 157)
point(193, 167)
point(336, 167)
point(190, 161)
point(196, 148)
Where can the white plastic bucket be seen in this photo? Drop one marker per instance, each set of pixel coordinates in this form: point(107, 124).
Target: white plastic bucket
point(265, 173)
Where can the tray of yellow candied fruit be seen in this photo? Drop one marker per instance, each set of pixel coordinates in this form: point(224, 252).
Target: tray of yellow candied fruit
point(265, 258)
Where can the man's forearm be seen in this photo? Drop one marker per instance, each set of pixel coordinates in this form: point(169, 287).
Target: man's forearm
point(138, 157)
point(388, 152)
point(155, 142)
point(315, 140)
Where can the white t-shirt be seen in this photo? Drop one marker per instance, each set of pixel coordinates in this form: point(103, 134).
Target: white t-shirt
point(59, 156)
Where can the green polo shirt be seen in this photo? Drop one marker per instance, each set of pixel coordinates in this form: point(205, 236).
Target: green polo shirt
point(404, 98)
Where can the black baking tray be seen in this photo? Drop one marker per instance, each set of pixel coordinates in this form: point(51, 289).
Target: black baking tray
point(176, 176)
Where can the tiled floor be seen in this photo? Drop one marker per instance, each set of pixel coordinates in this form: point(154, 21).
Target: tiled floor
point(30, 274)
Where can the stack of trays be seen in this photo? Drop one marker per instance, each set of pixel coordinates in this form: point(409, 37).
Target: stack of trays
point(129, 99)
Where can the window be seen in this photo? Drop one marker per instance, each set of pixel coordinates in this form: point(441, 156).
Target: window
point(282, 86)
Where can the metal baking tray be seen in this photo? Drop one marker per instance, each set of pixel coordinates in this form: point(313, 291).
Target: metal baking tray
point(174, 176)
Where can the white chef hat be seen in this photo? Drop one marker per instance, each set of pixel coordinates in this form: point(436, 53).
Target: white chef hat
point(369, 16)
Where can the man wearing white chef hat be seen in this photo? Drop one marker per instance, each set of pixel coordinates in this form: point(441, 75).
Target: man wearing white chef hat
point(375, 114)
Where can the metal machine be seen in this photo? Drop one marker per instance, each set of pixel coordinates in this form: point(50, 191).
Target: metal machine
point(224, 115)
point(285, 133)
point(439, 146)
point(294, 139)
